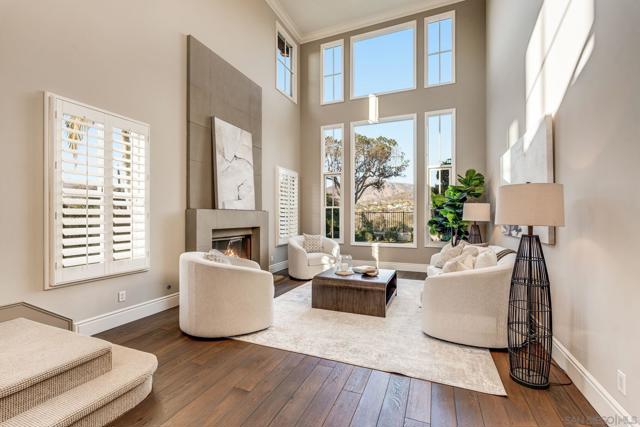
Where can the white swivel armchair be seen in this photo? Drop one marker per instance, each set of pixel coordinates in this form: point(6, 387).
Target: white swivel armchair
point(223, 300)
point(468, 307)
point(303, 265)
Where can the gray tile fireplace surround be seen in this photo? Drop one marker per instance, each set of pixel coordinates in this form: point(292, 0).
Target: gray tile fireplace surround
point(203, 224)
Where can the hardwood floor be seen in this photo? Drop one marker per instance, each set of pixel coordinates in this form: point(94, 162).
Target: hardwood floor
point(233, 383)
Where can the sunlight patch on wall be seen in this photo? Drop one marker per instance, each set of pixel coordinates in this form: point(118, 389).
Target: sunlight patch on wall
point(555, 48)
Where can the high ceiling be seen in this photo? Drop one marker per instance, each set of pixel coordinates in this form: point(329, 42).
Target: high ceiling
point(315, 19)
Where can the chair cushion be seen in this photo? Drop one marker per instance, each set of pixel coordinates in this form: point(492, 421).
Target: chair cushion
point(318, 258)
point(312, 243)
point(432, 270)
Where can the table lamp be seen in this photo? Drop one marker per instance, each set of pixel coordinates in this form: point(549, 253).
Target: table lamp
point(529, 317)
point(476, 212)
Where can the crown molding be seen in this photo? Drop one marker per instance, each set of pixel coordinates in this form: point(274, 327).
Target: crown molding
point(355, 24)
point(285, 18)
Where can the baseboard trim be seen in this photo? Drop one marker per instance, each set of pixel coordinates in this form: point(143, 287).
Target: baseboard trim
point(279, 266)
point(103, 322)
point(601, 400)
point(402, 266)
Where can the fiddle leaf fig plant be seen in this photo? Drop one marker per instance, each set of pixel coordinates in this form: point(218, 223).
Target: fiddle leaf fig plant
point(446, 219)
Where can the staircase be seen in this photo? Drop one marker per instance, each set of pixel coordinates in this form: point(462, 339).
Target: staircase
point(52, 377)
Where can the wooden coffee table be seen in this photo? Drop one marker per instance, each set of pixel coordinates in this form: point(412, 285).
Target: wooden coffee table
point(356, 293)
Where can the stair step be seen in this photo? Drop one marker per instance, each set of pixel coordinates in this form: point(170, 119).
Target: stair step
point(38, 362)
point(99, 401)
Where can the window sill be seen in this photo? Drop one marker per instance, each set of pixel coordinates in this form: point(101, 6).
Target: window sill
point(48, 287)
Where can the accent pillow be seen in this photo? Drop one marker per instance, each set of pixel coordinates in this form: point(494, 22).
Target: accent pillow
point(217, 256)
point(312, 243)
point(459, 263)
point(486, 258)
point(449, 252)
point(471, 250)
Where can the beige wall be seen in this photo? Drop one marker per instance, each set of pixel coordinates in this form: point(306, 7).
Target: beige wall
point(593, 268)
point(130, 58)
point(466, 95)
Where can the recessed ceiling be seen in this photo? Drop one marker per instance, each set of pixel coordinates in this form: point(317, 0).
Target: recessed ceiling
point(313, 19)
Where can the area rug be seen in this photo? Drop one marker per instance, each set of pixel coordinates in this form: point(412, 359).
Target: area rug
point(393, 344)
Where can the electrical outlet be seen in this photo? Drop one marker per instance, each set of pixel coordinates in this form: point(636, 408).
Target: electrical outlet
point(122, 296)
point(622, 382)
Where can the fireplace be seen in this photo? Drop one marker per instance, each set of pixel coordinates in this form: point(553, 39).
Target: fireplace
point(238, 246)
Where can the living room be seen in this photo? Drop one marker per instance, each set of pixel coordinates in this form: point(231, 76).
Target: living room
point(278, 212)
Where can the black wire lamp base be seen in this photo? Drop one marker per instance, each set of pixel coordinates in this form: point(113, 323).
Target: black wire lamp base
point(475, 237)
point(529, 318)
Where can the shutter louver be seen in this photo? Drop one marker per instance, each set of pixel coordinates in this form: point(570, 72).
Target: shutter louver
point(287, 205)
point(98, 194)
point(82, 191)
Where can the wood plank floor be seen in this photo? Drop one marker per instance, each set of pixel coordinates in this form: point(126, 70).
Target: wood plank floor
point(232, 383)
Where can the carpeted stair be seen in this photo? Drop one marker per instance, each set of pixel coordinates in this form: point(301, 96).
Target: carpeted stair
point(53, 377)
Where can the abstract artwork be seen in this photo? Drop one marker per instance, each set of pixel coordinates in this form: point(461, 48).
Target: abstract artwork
point(233, 167)
point(530, 159)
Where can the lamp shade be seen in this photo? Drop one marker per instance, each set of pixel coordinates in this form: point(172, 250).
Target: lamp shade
point(479, 212)
point(530, 204)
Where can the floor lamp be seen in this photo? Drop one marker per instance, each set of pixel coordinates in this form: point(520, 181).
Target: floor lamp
point(476, 212)
point(529, 318)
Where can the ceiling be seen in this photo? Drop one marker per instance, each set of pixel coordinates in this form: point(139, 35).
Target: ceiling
point(315, 19)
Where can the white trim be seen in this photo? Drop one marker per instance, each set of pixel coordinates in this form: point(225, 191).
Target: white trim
point(324, 46)
point(597, 395)
point(381, 32)
point(294, 63)
point(396, 12)
point(428, 243)
point(279, 266)
point(342, 182)
point(414, 117)
point(392, 265)
point(434, 18)
point(285, 18)
point(106, 321)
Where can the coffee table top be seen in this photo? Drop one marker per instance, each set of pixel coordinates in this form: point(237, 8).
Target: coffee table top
point(383, 278)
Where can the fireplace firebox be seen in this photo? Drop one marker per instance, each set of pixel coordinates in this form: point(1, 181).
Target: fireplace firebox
point(237, 246)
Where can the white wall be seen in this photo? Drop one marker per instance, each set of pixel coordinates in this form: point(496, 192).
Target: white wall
point(596, 109)
point(128, 57)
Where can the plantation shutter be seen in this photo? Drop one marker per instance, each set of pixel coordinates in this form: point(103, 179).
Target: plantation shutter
point(287, 205)
point(98, 194)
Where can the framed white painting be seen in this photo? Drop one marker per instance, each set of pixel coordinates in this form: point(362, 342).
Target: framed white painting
point(232, 167)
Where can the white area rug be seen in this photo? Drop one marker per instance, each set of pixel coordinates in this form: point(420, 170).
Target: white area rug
point(392, 344)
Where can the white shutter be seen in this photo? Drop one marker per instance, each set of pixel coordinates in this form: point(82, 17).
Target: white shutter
point(98, 193)
point(287, 226)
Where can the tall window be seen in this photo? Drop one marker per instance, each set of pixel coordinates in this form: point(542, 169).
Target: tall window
point(383, 176)
point(440, 42)
point(98, 193)
point(440, 148)
point(384, 61)
point(332, 180)
point(285, 63)
point(332, 72)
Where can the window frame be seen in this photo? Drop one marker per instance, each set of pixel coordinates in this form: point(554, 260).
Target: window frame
point(111, 268)
point(324, 46)
point(428, 243)
point(435, 18)
point(323, 212)
point(381, 32)
point(280, 30)
point(352, 195)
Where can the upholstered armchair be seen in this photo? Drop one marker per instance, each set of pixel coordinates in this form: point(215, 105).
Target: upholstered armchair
point(303, 265)
point(222, 300)
point(468, 307)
